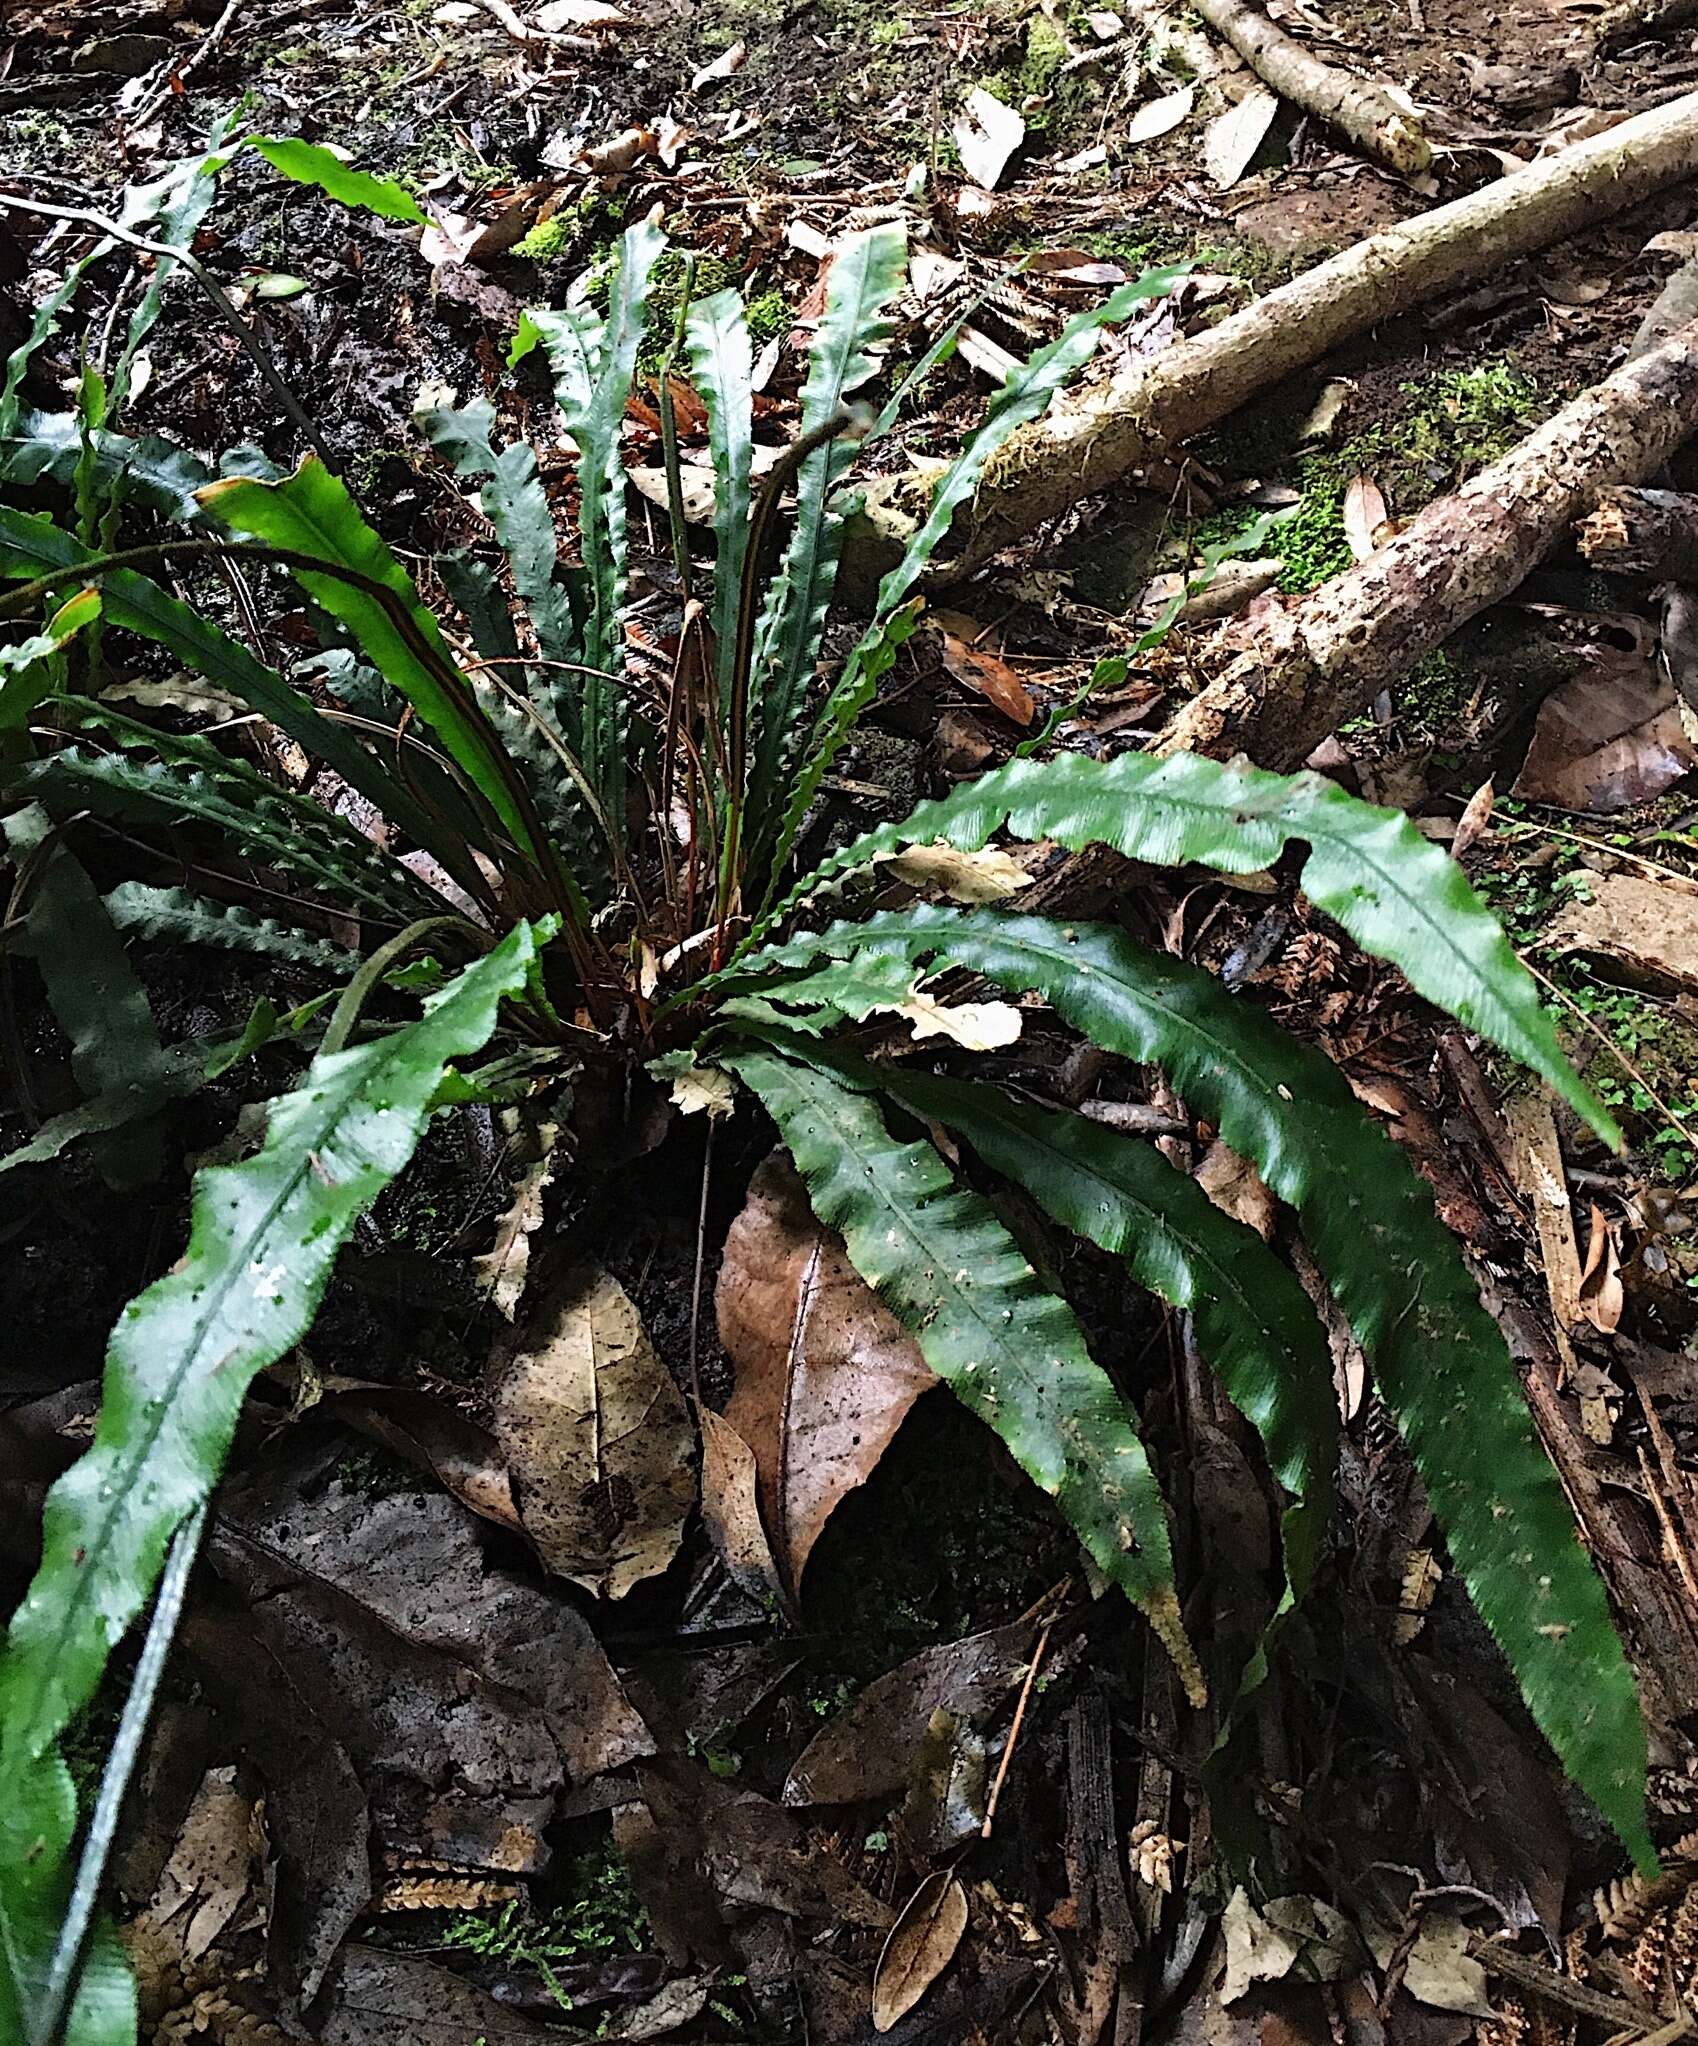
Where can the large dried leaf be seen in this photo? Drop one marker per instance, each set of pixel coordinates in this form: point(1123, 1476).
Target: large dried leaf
point(869, 1749)
point(596, 1437)
point(1608, 738)
point(1646, 928)
point(921, 1945)
point(825, 1372)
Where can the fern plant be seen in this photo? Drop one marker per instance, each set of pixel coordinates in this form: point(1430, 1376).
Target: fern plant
point(614, 849)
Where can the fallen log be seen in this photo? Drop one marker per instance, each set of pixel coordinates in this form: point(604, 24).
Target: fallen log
point(1365, 115)
point(1326, 657)
point(1630, 18)
point(1642, 532)
point(1092, 437)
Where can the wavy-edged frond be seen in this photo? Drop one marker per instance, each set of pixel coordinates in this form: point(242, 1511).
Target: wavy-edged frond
point(263, 1237)
point(1029, 388)
point(1399, 895)
point(857, 320)
point(1439, 1359)
point(163, 778)
point(716, 337)
point(175, 916)
point(941, 1262)
point(1255, 1325)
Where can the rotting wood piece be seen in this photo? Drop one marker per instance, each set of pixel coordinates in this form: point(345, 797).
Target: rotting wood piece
point(1093, 436)
point(1642, 532)
point(1363, 113)
point(1315, 664)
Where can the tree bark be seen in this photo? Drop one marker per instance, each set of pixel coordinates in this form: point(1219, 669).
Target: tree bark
point(1367, 117)
point(1093, 437)
point(1329, 654)
point(1642, 532)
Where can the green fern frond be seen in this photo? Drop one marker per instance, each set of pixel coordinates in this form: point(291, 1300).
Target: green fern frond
point(1254, 1323)
point(941, 1261)
point(263, 1238)
point(716, 336)
point(173, 916)
point(1399, 895)
point(1439, 1360)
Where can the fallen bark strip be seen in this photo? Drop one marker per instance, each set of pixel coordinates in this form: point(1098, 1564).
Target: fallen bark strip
point(1642, 532)
point(1365, 115)
point(1092, 437)
point(1312, 666)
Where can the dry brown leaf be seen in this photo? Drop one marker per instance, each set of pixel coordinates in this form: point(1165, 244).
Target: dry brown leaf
point(825, 1372)
point(1232, 139)
point(1606, 739)
point(726, 65)
point(988, 674)
point(1601, 1296)
point(921, 1945)
point(503, 1269)
point(1237, 1189)
point(1474, 822)
point(211, 1867)
point(595, 1435)
point(731, 1507)
point(1439, 1970)
point(1648, 928)
point(702, 1089)
point(1364, 516)
point(1265, 1945)
point(1421, 1578)
point(987, 133)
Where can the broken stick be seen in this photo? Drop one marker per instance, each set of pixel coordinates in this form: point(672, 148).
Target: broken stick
point(1642, 532)
point(1317, 663)
point(1093, 437)
point(1363, 113)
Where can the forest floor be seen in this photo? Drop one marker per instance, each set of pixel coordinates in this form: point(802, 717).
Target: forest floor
point(374, 1815)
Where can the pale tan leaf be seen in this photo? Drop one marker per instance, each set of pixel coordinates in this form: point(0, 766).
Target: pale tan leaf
point(1364, 516)
point(203, 1885)
point(987, 133)
point(731, 1507)
point(503, 1268)
point(1602, 1298)
point(987, 875)
point(1237, 1189)
point(921, 1945)
point(726, 65)
point(825, 1372)
point(1232, 138)
point(1421, 1578)
point(1439, 1970)
point(1159, 117)
point(703, 1089)
point(1475, 820)
point(975, 1026)
point(596, 1436)
point(990, 675)
point(559, 17)
point(1288, 1932)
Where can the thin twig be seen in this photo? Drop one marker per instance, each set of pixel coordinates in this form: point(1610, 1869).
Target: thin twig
point(170, 80)
point(1014, 1730)
point(701, 1259)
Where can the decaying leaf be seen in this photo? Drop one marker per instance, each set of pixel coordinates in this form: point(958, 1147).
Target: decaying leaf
point(1602, 1298)
point(825, 1372)
point(1439, 1970)
point(1364, 516)
point(596, 1436)
point(731, 1507)
point(979, 669)
point(1475, 821)
point(987, 133)
point(212, 1865)
point(1290, 1934)
point(871, 1748)
point(1161, 116)
point(1606, 739)
point(726, 65)
point(504, 1267)
point(1233, 138)
point(921, 1945)
point(698, 1090)
point(1421, 1578)
point(1647, 928)
point(1237, 1189)
point(975, 1026)
point(987, 875)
